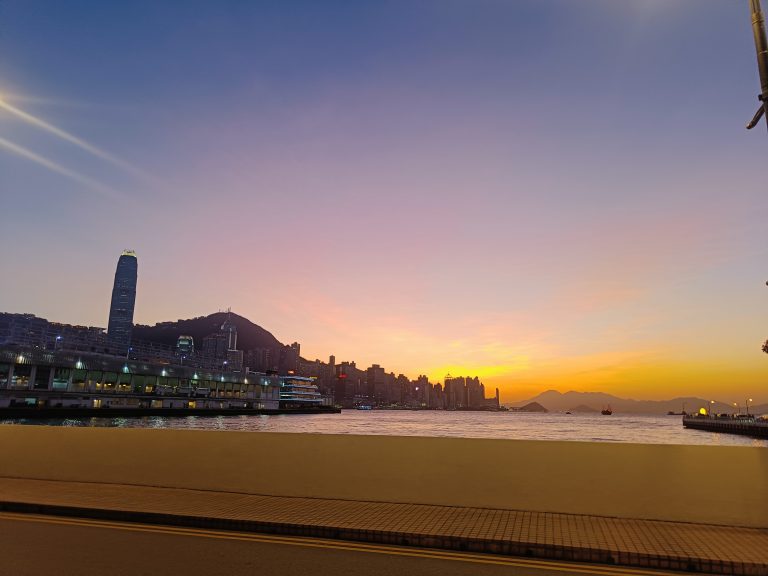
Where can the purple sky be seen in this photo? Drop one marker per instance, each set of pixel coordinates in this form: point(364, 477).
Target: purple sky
point(546, 193)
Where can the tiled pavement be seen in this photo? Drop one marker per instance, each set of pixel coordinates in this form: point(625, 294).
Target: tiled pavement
point(654, 544)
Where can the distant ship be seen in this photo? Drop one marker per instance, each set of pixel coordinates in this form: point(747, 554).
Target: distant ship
point(606, 411)
point(681, 413)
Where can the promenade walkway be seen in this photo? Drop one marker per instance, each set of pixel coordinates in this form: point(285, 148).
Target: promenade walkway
point(640, 543)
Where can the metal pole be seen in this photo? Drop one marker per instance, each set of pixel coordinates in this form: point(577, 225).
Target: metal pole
point(761, 47)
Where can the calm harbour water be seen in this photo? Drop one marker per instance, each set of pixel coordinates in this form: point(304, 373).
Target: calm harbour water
point(645, 429)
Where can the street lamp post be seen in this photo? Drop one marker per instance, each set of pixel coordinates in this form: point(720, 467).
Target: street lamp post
point(711, 405)
point(748, 401)
point(761, 46)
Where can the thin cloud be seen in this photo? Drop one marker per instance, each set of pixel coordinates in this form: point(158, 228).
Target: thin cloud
point(58, 168)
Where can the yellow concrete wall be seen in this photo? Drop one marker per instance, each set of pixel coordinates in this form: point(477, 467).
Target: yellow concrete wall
point(724, 485)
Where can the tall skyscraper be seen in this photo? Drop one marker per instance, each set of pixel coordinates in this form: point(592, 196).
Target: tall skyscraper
point(123, 300)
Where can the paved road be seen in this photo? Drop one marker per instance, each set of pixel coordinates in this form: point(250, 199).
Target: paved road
point(43, 545)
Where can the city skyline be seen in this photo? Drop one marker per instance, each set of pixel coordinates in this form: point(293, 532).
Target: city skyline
point(125, 284)
point(403, 184)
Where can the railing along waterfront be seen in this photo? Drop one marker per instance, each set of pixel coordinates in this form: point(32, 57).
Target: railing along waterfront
point(744, 425)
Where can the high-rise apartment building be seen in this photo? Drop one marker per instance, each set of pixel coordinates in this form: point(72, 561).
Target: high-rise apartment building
point(123, 300)
point(215, 345)
point(376, 381)
point(290, 357)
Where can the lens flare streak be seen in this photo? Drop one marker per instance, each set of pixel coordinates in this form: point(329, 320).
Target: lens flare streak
point(72, 139)
point(58, 168)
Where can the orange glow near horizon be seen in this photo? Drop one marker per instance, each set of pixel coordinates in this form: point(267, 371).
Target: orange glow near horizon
point(623, 375)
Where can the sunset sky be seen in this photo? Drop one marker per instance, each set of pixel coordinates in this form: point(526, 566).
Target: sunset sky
point(544, 193)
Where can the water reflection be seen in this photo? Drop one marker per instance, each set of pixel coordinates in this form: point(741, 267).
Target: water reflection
point(578, 427)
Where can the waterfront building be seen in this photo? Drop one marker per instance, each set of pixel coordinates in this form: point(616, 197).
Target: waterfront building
point(349, 385)
point(30, 330)
point(375, 383)
point(402, 390)
point(24, 329)
point(50, 380)
point(422, 392)
point(123, 301)
point(475, 393)
point(462, 393)
point(438, 394)
point(454, 392)
point(341, 393)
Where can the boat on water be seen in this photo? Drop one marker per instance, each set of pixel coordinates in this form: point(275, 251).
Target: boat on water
point(299, 392)
point(606, 411)
point(681, 413)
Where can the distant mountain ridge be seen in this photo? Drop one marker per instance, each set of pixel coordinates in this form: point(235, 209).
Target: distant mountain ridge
point(532, 407)
point(583, 408)
point(555, 401)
